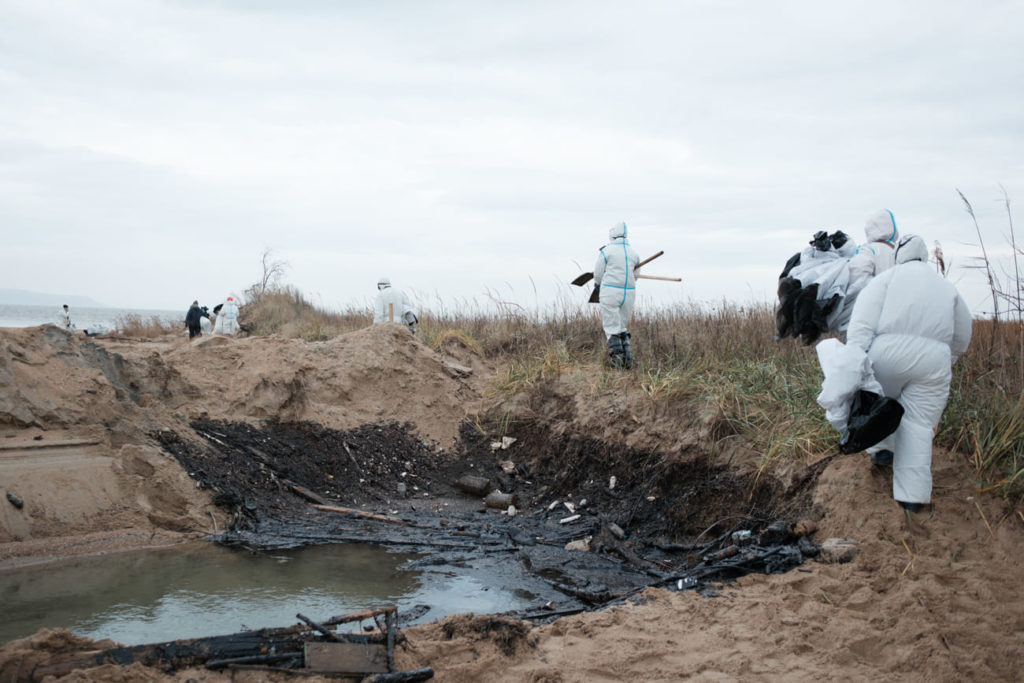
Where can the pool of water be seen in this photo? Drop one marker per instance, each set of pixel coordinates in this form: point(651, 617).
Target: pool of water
point(204, 589)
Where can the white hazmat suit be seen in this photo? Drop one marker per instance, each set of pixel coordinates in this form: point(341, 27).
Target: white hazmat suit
point(227, 319)
point(877, 255)
point(402, 310)
point(65, 319)
point(615, 275)
point(913, 324)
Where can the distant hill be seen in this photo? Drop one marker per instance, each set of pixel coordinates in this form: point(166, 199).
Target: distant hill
point(23, 297)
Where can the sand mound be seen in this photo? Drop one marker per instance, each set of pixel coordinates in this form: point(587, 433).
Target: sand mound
point(77, 416)
point(377, 374)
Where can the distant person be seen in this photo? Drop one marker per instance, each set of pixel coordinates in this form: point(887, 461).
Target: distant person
point(913, 324)
point(205, 323)
point(400, 308)
point(615, 281)
point(227, 318)
point(65, 319)
point(193, 319)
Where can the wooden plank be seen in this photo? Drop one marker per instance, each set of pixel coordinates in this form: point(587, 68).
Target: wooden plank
point(349, 658)
point(37, 445)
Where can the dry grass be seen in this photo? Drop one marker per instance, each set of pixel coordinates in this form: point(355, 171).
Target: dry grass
point(724, 362)
point(133, 325)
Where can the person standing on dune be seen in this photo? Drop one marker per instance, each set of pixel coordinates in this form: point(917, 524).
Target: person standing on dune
point(615, 282)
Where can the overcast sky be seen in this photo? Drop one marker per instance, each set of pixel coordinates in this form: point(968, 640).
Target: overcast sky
point(150, 151)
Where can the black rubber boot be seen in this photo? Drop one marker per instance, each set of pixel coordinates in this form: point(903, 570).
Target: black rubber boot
point(628, 362)
point(882, 458)
point(912, 507)
point(616, 358)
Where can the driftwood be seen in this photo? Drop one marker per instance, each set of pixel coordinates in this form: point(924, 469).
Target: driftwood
point(244, 649)
point(474, 485)
point(365, 515)
point(307, 494)
point(331, 635)
point(253, 659)
point(424, 674)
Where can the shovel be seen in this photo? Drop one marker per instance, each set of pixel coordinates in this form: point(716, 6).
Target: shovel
point(587, 277)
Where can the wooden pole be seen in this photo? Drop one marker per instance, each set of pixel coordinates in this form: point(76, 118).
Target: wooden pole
point(659, 277)
point(391, 313)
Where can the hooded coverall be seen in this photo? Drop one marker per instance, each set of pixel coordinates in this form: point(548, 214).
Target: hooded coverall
point(615, 275)
point(227, 319)
point(403, 310)
point(913, 324)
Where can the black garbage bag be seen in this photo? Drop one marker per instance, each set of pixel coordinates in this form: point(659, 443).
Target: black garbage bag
point(789, 291)
point(872, 418)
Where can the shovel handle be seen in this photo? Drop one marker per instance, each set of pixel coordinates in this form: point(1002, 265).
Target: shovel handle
point(640, 276)
point(648, 260)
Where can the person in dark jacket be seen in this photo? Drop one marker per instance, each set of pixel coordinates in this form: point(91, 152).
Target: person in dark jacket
point(194, 319)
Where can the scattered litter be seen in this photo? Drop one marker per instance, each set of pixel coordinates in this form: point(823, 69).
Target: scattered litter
point(741, 537)
point(507, 441)
point(616, 531)
point(580, 544)
point(497, 499)
point(507, 466)
point(570, 507)
point(569, 519)
point(553, 505)
point(511, 512)
point(651, 499)
point(839, 550)
point(583, 502)
point(611, 483)
point(495, 445)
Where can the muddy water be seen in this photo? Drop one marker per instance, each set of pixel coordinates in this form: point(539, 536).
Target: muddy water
point(154, 596)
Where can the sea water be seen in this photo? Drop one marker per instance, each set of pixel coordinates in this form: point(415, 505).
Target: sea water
point(84, 318)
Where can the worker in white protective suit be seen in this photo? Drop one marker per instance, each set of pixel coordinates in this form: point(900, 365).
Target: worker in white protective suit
point(913, 325)
point(615, 279)
point(400, 308)
point(65, 318)
point(875, 256)
point(227, 318)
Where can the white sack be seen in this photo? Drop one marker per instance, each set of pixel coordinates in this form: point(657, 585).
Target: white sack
point(847, 370)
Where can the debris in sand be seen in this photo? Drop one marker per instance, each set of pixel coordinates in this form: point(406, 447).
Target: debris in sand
point(497, 499)
point(504, 444)
point(507, 466)
point(15, 500)
point(474, 485)
point(741, 537)
point(839, 550)
point(616, 531)
point(581, 544)
point(570, 519)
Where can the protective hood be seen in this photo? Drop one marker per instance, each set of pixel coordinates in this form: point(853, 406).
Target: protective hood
point(911, 248)
point(384, 282)
point(881, 227)
point(618, 231)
